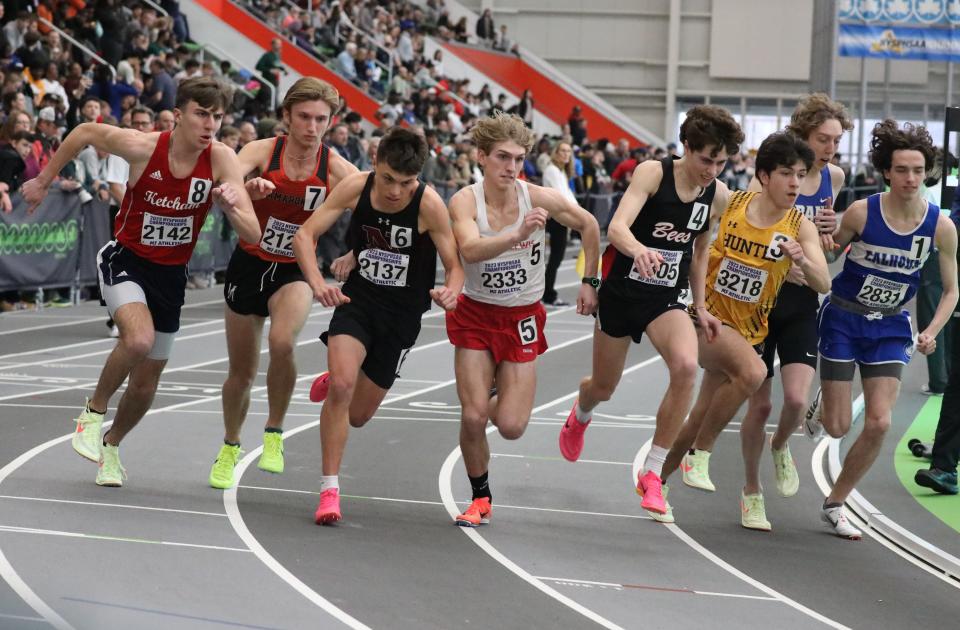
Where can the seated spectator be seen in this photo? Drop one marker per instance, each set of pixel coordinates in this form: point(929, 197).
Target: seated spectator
point(346, 64)
point(230, 136)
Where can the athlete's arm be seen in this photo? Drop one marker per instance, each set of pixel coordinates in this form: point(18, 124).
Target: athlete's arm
point(807, 254)
point(133, 146)
point(231, 195)
point(698, 265)
point(474, 247)
point(255, 156)
point(851, 226)
point(645, 181)
point(564, 210)
point(344, 196)
point(436, 221)
point(338, 168)
point(946, 241)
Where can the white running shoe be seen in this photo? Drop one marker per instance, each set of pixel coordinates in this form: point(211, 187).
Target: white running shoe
point(695, 467)
point(835, 518)
point(785, 469)
point(86, 439)
point(753, 513)
point(812, 423)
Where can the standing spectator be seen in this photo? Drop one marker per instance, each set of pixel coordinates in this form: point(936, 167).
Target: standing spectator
point(557, 176)
point(269, 64)
point(114, 27)
point(163, 90)
point(460, 30)
point(525, 107)
point(486, 31)
point(578, 126)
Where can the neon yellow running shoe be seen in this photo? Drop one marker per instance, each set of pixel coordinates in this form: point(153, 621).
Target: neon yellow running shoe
point(221, 475)
point(86, 439)
point(695, 466)
point(272, 458)
point(666, 517)
point(788, 481)
point(753, 514)
point(110, 472)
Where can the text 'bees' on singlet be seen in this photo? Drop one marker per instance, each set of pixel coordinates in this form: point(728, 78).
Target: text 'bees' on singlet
point(809, 205)
point(396, 264)
point(514, 277)
point(161, 215)
point(882, 268)
point(287, 207)
point(666, 225)
point(747, 267)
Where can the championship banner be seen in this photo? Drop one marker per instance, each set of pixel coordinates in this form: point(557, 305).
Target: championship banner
point(42, 249)
point(896, 42)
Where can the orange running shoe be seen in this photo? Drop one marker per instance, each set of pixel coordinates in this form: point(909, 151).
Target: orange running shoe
point(328, 511)
point(478, 513)
point(320, 387)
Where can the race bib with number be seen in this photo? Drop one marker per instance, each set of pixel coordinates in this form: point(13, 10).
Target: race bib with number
point(740, 282)
point(384, 268)
point(503, 277)
point(667, 273)
point(878, 292)
point(278, 237)
point(161, 231)
point(527, 328)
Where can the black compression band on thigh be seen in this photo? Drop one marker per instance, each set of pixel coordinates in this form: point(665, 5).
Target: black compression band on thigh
point(836, 370)
point(894, 369)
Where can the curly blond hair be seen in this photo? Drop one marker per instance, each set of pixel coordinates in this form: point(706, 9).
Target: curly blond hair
point(501, 127)
point(814, 110)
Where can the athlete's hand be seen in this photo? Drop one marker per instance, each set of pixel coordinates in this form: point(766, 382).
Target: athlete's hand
point(444, 298)
point(794, 251)
point(796, 276)
point(341, 267)
point(826, 218)
point(711, 325)
point(33, 193)
point(647, 262)
point(226, 196)
point(329, 295)
point(926, 343)
point(259, 188)
point(827, 243)
point(535, 220)
point(587, 300)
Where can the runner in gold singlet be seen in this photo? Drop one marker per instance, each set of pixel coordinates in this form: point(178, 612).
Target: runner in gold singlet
point(760, 236)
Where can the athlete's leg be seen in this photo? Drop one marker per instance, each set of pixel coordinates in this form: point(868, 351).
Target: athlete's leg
point(753, 433)
point(880, 394)
point(836, 411)
point(675, 338)
point(136, 400)
point(474, 371)
point(516, 387)
point(796, 379)
point(243, 351)
point(289, 308)
point(691, 427)
point(367, 397)
point(136, 340)
point(345, 355)
point(731, 355)
point(609, 355)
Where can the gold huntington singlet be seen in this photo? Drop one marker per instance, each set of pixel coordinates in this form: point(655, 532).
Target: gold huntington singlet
point(747, 267)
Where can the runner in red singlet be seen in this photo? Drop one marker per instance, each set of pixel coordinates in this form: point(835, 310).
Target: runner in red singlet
point(175, 177)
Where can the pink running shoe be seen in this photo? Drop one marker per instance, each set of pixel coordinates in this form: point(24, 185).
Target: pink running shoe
point(321, 384)
point(650, 487)
point(571, 436)
point(329, 509)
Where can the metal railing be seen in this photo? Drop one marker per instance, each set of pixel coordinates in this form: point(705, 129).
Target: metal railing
point(100, 60)
point(157, 7)
point(218, 54)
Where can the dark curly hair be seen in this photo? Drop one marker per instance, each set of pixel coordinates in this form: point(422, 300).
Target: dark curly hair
point(814, 110)
point(782, 149)
point(710, 125)
point(888, 137)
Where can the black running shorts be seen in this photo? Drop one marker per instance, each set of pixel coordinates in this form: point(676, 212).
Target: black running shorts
point(620, 318)
point(250, 282)
point(792, 334)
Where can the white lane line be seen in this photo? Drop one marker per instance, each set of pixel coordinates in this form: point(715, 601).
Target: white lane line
point(102, 318)
point(666, 589)
point(22, 618)
point(726, 566)
point(440, 503)
point(445, 483)
point(817, 464)
point(559, 459)
point(54, 532)
point(112, 505)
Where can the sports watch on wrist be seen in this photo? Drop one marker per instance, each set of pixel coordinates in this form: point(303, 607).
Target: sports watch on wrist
point(593, 281)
